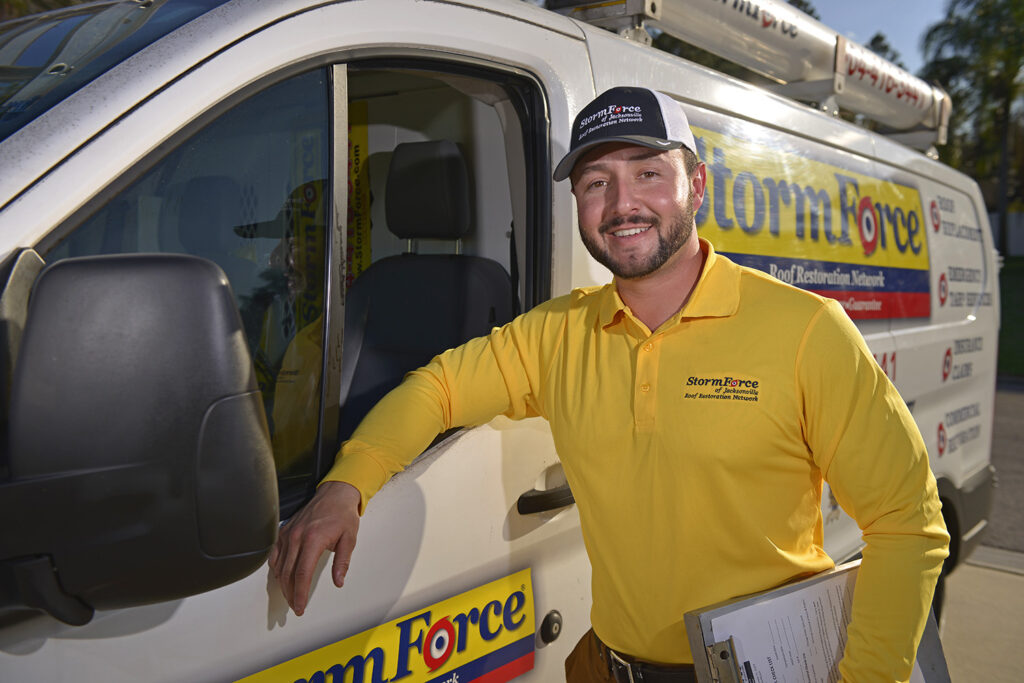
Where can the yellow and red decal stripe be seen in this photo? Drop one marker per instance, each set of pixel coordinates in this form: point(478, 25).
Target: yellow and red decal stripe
point(485, 635)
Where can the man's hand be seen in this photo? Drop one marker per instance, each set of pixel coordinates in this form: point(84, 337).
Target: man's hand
point(328, 522)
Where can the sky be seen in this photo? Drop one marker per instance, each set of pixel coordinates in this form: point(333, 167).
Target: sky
point(902, 21)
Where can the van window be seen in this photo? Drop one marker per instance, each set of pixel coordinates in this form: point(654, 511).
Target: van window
point(448, 199)
point(249, 192)
point(445, 236)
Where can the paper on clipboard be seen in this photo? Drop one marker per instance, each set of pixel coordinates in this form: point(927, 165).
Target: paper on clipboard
point(793, 634)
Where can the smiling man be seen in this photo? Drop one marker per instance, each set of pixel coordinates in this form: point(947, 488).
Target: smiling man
point(696, 406)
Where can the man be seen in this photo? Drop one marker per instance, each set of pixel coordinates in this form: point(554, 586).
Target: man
point(696, 406)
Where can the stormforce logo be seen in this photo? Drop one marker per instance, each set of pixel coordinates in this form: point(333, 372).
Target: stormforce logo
point(720, 382)
point(724, 388)
point(610, 110)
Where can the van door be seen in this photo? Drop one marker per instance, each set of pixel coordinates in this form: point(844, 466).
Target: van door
point(272, 158)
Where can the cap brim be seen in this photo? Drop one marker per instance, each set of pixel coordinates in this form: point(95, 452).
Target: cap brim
point(568, 162)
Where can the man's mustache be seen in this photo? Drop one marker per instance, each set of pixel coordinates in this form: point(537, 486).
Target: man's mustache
point(634, 219)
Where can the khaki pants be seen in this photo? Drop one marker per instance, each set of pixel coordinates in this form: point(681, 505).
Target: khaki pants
point(585, 664)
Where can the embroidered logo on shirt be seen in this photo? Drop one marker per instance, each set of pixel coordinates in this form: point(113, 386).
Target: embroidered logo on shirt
point(721, 388)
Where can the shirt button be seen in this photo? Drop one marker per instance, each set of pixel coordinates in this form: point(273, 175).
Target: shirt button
point(648, 347)
point(645, 388)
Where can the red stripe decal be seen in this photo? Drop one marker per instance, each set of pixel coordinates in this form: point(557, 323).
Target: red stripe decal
point(507, 672)
point(861, 305)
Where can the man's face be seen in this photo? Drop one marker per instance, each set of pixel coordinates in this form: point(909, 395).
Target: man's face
point(636, 206)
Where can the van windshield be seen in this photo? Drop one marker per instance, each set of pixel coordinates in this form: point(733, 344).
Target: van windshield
point(44, 58)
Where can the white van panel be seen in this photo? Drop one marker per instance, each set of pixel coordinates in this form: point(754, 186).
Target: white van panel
point(949, 365)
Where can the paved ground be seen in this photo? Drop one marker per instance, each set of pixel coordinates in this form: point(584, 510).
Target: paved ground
point(983, 624)
point(1006, 529)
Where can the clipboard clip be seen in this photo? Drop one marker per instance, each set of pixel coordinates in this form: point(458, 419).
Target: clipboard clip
point(725, 667)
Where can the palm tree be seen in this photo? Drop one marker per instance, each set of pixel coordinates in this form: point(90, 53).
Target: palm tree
point(806, 7)
point(879, 44)
point(977, 53)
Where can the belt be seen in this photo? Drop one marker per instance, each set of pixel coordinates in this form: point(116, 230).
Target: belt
point(626, 669)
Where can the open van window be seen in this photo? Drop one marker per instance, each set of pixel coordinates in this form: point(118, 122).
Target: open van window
point(441, 218)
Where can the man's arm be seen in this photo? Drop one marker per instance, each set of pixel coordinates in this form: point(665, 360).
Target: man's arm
point(468, 385)
point(872, 454)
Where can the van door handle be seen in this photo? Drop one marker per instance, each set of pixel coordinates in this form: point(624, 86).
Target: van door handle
point(535, 501)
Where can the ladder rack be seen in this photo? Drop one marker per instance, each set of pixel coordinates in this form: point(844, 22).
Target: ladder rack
point(808, 60)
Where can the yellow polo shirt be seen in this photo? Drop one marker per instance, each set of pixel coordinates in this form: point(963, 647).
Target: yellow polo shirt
point(696, 454)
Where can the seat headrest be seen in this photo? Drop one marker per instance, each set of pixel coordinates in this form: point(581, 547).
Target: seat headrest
point(428, 191)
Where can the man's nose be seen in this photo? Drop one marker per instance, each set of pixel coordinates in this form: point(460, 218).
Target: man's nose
point(623, 199)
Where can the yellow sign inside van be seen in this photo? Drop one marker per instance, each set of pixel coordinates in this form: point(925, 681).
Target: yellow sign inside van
point(822, 225)
point(483, 635)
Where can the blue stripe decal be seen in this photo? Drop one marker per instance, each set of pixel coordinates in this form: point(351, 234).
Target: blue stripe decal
point(489, 662)
point(833, 276)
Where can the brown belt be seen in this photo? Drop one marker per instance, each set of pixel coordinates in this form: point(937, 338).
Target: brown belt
point(626, 669)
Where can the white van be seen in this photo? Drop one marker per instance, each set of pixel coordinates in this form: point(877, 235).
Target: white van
point(373, 180)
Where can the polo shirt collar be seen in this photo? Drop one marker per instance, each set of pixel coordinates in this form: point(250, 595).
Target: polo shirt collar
point(716, 295)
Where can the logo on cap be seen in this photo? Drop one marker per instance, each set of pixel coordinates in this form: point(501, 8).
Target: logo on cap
point(610, 115)
point(626, 114)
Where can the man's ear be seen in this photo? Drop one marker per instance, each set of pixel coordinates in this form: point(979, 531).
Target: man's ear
point(698, 183)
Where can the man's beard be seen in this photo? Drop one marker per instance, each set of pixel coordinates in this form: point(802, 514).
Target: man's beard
point(668, 244)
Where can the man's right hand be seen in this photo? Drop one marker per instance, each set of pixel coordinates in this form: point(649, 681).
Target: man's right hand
point(330, 521)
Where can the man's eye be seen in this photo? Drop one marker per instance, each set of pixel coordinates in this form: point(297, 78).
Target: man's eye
point(596, 184)
point(649, 174)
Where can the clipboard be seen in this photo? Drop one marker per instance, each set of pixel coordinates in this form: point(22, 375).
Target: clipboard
point(792, 634)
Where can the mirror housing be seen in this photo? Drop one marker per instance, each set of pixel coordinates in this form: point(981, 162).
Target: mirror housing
point(139, 466)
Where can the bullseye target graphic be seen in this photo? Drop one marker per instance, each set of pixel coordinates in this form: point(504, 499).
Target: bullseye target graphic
point(440, 644)
point(867, 224)
point(947, 364)
point(943, 289)
point(942, 439)
point(936, 216)
point(309, 193)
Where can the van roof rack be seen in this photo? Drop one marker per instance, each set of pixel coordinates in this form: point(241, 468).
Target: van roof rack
point(808, 60)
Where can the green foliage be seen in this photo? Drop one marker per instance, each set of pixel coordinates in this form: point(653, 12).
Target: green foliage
point(977, 54)
point(1011, 332)
point(879, 44)
point(806, 7)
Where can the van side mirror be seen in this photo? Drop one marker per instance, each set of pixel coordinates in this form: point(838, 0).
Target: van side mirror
point(138, 461)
